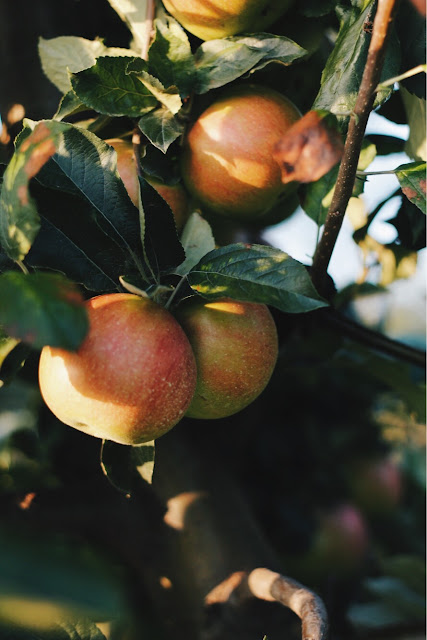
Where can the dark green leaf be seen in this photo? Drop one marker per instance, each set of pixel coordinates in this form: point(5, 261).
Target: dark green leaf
point(161, 127)
point(376, 615)
point(169, 57)
point(163, 250)
point(386, 144)
point(411, 30)
point(415, 108)
point(410, 224)
point(78, 630)
point(19, 219)
point(396, 594)
point(88, 168)
point(410, 569)
point(315, 8)
point(256, 273)
point(222, 61)
point(71, 241)
point(412, 179)
point(343, 71)
point(317, 196)
point(54, 250)
point(123, 464)
point(42, 308)
point(11, 363)
point(108, 88)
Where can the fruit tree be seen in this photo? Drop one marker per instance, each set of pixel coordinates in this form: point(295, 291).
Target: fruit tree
point(212, 320)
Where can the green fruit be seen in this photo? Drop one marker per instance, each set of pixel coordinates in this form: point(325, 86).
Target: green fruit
point(131, 380)
point(227, 161)
point(209, 19)
point(235, 345)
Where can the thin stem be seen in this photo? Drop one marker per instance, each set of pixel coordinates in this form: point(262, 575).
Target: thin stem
point(421, 68)
point(347, 172)
point(175, 291)
point(22, 266)
point(363, 174)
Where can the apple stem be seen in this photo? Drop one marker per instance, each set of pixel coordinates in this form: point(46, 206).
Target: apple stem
point(347, 172)
point(174, 292)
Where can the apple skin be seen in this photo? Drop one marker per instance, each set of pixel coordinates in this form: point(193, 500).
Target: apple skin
point(236, 346)
point(340, 543)
point(376, 485)
point(210, 19)
point(174, 195)
point(227, 161)
point(132, 378)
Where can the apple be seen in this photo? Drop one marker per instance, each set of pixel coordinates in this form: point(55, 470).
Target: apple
point(235, 345)
point(173, 194)
point(209, 19)
point(340, 542)
point(132, 378)
point(376, 485)
point(227, 158)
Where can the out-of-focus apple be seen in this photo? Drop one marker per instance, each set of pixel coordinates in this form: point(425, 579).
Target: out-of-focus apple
point(235, 345)
point(173, 194)
point(227, 161)
point(131, 380)
point(209, 19)
point(376, 485)
point(340, 542)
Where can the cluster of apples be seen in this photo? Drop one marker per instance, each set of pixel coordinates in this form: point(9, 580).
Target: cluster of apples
point(140, 369)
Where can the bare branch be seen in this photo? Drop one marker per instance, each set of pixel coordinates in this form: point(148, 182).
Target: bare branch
point(269, 585)
point(356, 131)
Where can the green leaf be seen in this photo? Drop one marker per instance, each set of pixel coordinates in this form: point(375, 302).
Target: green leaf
point(45, 579)
point(412, 179)
point(82, 629)
point(86, 166)
point(108, 88)
point(316, 8)
point(161, 127)
point(13, 355)
point(375, 615)
point(123, 464)
point(19, 220)
point(65, 54)
point(410, 569)
point(197, 240)
point(396, 594)
point(69, 105)
point(169, 98)
point(344, 68)
point(53, 249)
point(162, 248)
point(317, 196)
point(410, 224)
point(415, 108)
point(135, 14)
point(256, 273)
point(42, 308)
point(221, 61)
point(170, 58)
